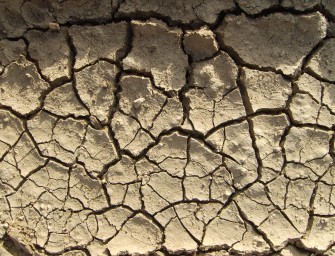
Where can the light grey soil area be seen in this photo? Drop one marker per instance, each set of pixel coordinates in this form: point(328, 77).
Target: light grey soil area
point(167, 127)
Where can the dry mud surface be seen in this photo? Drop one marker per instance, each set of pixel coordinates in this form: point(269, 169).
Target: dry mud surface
point(192, 127)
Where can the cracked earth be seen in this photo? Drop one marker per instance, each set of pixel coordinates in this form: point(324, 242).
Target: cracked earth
point(192, 127)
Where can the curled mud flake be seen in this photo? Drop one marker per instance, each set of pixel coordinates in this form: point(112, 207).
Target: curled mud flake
point(63, 101)
point(11, 20)
point(314, 103)
point(156, 49)
point(235, 141)
point(306, 144)
point(96, 87)
point(214, 98)
point(185, 11)
point(269, 130)
point(10, 51)
point(320, 237)
point(256, 7)
point(157, 192)
point(22, 87)
point(300, 5)
point(266, 90)
point(321, 63)
point(252, 42)
point(170, 154)
point(97, 151)
point(95, 42)
point(11, 128)
point(88, 191)
point(52, 53)
point(229, 220)
point(139, 235)
point(200, 44)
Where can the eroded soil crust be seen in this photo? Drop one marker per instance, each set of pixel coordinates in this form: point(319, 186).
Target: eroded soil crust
point(200, 127)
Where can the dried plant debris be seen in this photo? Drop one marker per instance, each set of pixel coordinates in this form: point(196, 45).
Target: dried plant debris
point(192, 127)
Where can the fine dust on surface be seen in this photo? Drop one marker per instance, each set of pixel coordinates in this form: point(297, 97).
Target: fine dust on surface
point(166, 127)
